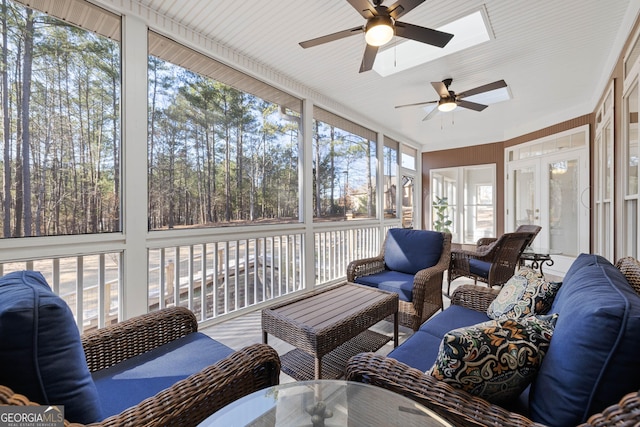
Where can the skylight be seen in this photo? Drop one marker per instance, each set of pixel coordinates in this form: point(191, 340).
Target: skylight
point(470, 30)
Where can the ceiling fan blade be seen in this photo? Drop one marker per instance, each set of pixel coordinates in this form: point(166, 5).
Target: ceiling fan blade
point(364, 8)
point(417, 104)
point(441, 88)
point(484, 88)
point(431, 114)
point(422, 34)
point(369, 58)
point(401, 7)
point(471, 105)
point(331, 37)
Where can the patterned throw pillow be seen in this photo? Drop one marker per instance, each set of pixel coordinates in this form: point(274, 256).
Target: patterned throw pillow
point(526, 293)
point(495, 360)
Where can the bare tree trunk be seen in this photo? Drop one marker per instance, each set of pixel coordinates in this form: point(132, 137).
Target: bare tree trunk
point(227, 166)
point(26, 137)
point(151, 130)
point(116, 158)
point(6, 124)
point(18, 187)
point(239, 154)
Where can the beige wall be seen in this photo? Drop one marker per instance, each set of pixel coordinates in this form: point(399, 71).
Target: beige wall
point(494, 152)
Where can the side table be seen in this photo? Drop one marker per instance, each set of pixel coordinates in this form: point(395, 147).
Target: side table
point(537, 258)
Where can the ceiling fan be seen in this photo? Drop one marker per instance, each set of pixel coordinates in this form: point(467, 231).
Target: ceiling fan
point(382, 24)
point(449, 100)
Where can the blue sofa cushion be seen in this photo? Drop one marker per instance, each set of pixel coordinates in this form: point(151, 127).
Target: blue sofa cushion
point(410, 251)
point(593, 360)
point(418, 351)
point(391, 281)
point(130, 382)
point(41, 353)
point(479, 268)
point(453, 317)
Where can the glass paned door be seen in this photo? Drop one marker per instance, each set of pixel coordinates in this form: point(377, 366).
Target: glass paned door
point(552, 192)
point(563, 193)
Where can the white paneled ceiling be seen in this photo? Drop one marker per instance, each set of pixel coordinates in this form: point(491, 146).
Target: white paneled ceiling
point(556, 57)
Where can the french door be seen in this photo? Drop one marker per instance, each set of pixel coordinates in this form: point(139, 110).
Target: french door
point(552, 191)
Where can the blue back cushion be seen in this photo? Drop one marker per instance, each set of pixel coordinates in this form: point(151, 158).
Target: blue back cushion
point(454, 317)
point(41, 355)
point(593, 358)
point(410, 251)
point(130, 382)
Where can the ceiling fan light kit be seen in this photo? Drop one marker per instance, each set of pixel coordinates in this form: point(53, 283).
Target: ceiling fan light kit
point(445, 105)
point(379, 30)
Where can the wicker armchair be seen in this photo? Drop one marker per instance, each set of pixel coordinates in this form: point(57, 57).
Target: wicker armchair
point(427, 283)
point(188, 401)
point(492, 264)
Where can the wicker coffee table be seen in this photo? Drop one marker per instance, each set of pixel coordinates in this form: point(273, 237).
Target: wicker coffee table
point(328, 327)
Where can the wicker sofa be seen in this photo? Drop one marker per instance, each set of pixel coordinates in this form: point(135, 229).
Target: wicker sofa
point(591, 362)
point(151, 370)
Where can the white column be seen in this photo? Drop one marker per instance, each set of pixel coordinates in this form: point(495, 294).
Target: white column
point(134, 171)
point(306, 192)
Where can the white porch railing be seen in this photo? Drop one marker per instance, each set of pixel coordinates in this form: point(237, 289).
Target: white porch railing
point(214, 277)
point(217, 278)
point(89, 284)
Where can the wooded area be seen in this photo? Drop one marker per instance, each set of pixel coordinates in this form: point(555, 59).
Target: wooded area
point(216, 155)
point(61, 127)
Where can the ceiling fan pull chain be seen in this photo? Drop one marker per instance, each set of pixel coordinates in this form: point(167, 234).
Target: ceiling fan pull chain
point(395, 56)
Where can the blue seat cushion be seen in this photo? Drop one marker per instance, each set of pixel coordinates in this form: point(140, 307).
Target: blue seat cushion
point(593, 358)
point(410, 251)
point(453, 317)
point(421, 349)
point(479, 268)
point(130, 382)
point(418, 351)
point(390, 281)
point(41, 353)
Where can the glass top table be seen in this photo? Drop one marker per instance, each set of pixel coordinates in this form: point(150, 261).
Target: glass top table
point(324, 403)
